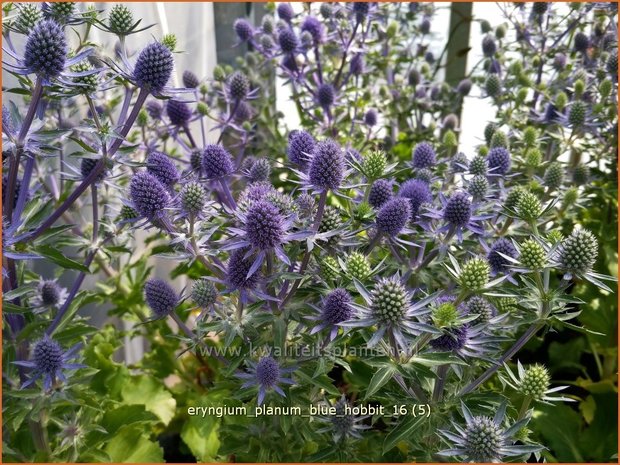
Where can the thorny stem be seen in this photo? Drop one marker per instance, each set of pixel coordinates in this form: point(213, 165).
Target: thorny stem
point(524, 406)
point(228, 120)
point(93, 190)
point(442, 375)
point(229, 198)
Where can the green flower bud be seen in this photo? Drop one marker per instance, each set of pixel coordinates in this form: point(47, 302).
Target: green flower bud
point(29, 15)
point(522, 94)
point(478, 186)
point(331, 220)
point(449, 139)
point(499, 139)
point(533, 255)
point(478, 166)
point(374, 164)
point(474, 274)
point(561, 100)
point(479, 306)
point(143, 118)
point(500, 31)
point(555, 236)
point(578, 251)
point(169, 41)
point(516, 68)
point(329, 269)
point(605, 88)
point(577, 113)
point(554, 175)
point(363, 210)
point(483, 151)
point(193, 197)
point(358, 266)
point(533, 158)
point(529, 207)
point(535, 382)
point(87, 84)
point(128, 213)
point(506, 304)
point(570, 197)
point(581, 174)
point(445, 315)
point(580, 86)
point(530, 136)
point(389, 301)
point(392, 29)
point(120, 20)
point(202, 109)
point(513, 197)
point(219, 74)
point(493, 85)
point(485, 26)
point(204, 293)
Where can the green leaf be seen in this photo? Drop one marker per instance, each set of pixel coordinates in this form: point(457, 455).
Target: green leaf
point(59, 258)
point(114, 420)
point(130, 445)
point(437, 359)
point(201, 436)
point(379, 379)
point(402, 431)
point(323, 382)
point(150, 392)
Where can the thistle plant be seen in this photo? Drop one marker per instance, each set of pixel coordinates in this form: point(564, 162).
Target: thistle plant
point(368, 265)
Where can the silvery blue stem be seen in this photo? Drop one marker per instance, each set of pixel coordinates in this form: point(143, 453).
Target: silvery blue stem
point(125, 107)
point(37, 93)
point(23, 192)
point(228, 120)
point(345, 53)
point(229, 198)
point(93, 190)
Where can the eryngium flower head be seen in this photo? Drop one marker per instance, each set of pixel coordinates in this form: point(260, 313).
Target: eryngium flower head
point(581, 174)
point(120, 20)
point(535, 381)
point(204, 293)
point(474, 274)
point(264, 226)
point(612, 63)
point(193, 198)
point(160, 297)
point(458, 209)
point(389, 301)
point(238, 86)
point(288, 40)
point(577, 113)
point(260, 170)
point(314, 27)
point(417, 192)
point(361, 9)
point(217, 162)
point(326, 10)
point(559, 61)
point(154, 67)
point(540, 8)
point(243, 29)
point(493, 85)
point(336, 307)
point(49, 293)
point(498, 160)
point(529, 207)
point(393, 216)
point(179, 112)
point(423, 155)
point(47, 356)
point(581, 42)
point(489, 47)
point(459, 163)
point(238, 269)
point(483, 439)
point(87, 165)
point(480, 306)
point(381, 191)
point(149, 196)
point(154, 109)
point(478, 187)
point(300, 147)
point(332, 219)
point(374, 164)
point(370, 117)
point(578, 252)
point(285, 12)
point(163, 168)
point(497, 262)
point(86, 84)
point(326, 95)
point(46, 49)
point(533, 255)
point(554, 175)
point(464, 87)
point(452, 339)
point(326, 166)
point(358, 266)
point(414, 78)
point(329, 268)
point(267, 372)
point(29, 15)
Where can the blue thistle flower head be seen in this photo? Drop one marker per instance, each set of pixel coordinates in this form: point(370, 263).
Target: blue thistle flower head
point(264, 225)
point(288, 41)
point(47, 356)
point(154, 109)
point(423, 155)
point(160, 297)
point(300, 147)
point(458, 211)
point(357, 64)
point(381, 191)
point(285, 12)
point(498, 263)
point(238, 86)
point(179, 112)
point(393, 216)
point(370, 118)
point(489, 47)
point(464, 87)
point(163, 168)
point(190, 80)
point(46, 49)
point(238, 269)
point(498, 160)
point(326, 95)
point(314, 27)
point(361, 10)
point(87, 165)
point(149, 196)
point(581, 42)
point(337, 307)
point(326, 166)
point(217, 162)
point(267, 374)
point(243, 29)
point(417, 192)
point(453, 339)
point(154, 67)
